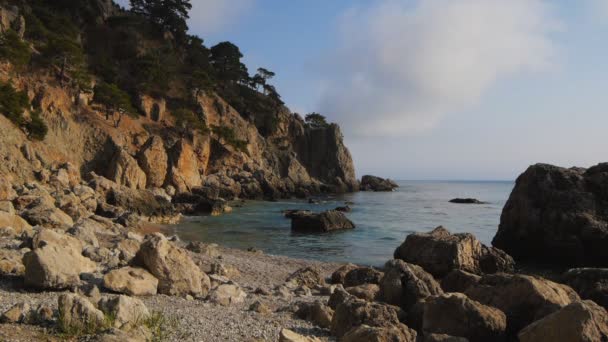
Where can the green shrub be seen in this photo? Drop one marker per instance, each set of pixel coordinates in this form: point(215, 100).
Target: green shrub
point(36, 127)
point(316, 120)
point(228, 136)
point(13, 103)
point(14, 49)
point(188, 121)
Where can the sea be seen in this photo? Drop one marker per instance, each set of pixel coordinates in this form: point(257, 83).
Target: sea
point(382, 219)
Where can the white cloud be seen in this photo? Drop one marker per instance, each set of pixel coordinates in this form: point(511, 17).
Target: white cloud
point(210, 16)
point(402, 65)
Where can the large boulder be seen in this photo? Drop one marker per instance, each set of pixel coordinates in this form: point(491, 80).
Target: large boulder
point(126, 311)
point(153, 161)
point(339, 275)
point(373, 183)
point(355, 312)
point(185, 173)
point(522, 298)
point(365, 333)
point(177, 274)
point(124, 170)
point(457, 315)
point(14, 221)
point(557, 215)
point(581, 321)
point(459, 281)
point(132, 281)
point(361, 276)
point(48, 216)
point(589, 283)
point(306, 276)
point(405, 284)
point(7, 193)
point(440, 252)
point(321, 223)
point(78, 313)
point(55, 262)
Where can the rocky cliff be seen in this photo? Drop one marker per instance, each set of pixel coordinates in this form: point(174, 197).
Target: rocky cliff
point(149, 151)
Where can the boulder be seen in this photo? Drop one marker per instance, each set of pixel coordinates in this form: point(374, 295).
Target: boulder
point(227, 294)
point(522, 298)
point(291, 213)
point(355, 312)
point(440, 252)
point(339, 275)
point(84, 233)
point(185, 173)
point(132, 281)
point(459, 281)
point(153, 160)
point(124, 170)
point(338, 297)
point(321, 223)
point(78, 313)
point(361, 276)
point(442, 338)
point(287, 335)
point(589, 283)
point(317, 312)
point(558, 216)
point(365, 333)
point(405, 284)
point(126, 311)
point(260, 308)
point(55, 262)
point(7, 193)
point(19, 225)
point(457, 315)
point(47, 216)
point(368, 292)
point(18, 313)
point(307, 276)
point(11, 263)
point(127, 249)
point(177, 274)
point(580, 321)
point(373, 183)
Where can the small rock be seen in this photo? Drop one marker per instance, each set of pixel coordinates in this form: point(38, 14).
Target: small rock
point(261, 308)
point(287, 335)
point(16, 314)
point(227, 294)
point(127, 311)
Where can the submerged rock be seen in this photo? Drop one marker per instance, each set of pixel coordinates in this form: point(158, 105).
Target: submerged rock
point(320, 223)
point(466, 201)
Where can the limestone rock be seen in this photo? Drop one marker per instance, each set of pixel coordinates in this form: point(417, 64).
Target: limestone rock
point(132, 281)
point(442, 338)
point(56, 261)
point(522, 298)
point(557, 215)
point(440, 252)
point(7, 193)
point(18, 313)
point(405, 284)
point(365, 333)
point(77, 312)
point(185, 172)
point(317, 312)
point(48, 216)
point(227, 294)
point(308, 276)
point(124, 170)
point(339, 275)
point(287, 335)
point(127, 311)
point(11, 263)
point(373, 183)
point(362, 276)
point(589, 283)
point(153, 161)
point(459, 281)
point(355, 312)
point(580, 321)
point(320, 223)
point(208, 249)
point(368, 292)
point(177, 274)
point(457, 315)
point(14, 221)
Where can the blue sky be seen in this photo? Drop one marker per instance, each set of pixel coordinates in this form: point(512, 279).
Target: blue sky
point(435, 89)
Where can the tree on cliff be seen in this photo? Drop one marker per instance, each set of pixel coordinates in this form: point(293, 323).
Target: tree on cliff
point(226, 59)
point(316, 120)
point(171, 15)
point(68, 57)
point(114, 100)
point(188, 122)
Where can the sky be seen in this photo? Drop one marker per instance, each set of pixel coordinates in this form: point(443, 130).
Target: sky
point(434, 89)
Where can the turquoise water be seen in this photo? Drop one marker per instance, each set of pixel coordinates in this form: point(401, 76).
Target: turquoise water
point(383, 221)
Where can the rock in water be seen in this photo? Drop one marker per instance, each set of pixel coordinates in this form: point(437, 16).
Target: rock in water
point(581, 321)
point(373, 183)
point(440, 252)
point(466, 201)
point(176, 272)
point(557, 215)
point(321, 223)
